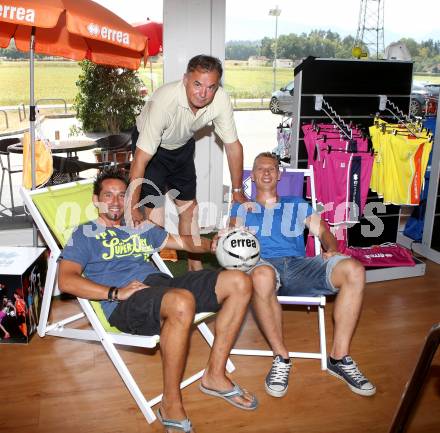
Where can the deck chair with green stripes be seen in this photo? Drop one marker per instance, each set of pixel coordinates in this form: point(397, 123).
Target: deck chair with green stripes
point(57, 211)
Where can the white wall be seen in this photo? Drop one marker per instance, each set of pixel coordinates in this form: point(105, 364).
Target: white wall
point(194, 27)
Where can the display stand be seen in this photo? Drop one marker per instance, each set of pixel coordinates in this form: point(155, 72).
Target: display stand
point(354, 89)
point(429, 247)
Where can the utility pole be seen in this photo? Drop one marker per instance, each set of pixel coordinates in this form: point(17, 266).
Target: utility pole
point(275, 13)
point(370, 32)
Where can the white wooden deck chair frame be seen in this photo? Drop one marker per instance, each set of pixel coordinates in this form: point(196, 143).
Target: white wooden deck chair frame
point(98, 333)
point(309, 301)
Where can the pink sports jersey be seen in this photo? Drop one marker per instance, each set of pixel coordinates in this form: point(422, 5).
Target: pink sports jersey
point(339, 232)
point(319, 140)
point(345, 180)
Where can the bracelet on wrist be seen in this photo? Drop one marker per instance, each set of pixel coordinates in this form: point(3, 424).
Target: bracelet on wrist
point(110, 294)
point(237, 189)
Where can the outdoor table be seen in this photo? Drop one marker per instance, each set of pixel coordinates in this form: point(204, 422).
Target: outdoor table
point(69, 146)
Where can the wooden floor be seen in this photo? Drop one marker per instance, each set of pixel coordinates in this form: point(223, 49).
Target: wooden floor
point(61, 386)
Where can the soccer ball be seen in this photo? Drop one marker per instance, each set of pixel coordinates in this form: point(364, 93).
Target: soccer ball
point(11, 313)
point(238, 249)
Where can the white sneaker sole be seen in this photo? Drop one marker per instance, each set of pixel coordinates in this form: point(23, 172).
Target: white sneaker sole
point(363, 392)
point(274, 393)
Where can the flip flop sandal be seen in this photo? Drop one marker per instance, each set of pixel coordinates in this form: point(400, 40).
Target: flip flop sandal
point(182, 425)
point(229, 395)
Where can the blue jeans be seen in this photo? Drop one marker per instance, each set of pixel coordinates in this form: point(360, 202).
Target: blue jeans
point(305, 276)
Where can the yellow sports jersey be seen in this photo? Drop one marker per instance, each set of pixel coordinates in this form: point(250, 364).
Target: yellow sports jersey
point(406, 161)
point(400, 162)
point(375, 139)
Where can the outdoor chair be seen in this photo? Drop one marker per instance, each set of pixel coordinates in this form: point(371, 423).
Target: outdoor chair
point(57, 211)
point(5, 163)
point(68, 169)
point(115, 148)
point(292, 183)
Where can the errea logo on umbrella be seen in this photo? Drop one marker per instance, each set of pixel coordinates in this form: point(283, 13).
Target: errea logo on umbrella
point(17, 13)
point(108, 34)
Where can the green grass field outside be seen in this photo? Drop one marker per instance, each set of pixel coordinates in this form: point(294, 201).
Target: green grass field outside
point(57, 80)
point(52, 80)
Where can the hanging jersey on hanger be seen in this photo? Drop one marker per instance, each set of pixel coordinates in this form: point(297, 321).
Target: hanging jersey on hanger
point(342, 170)
point(345, 188)
point(400, 163)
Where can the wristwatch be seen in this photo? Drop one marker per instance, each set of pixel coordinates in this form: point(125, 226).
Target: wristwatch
point(237, 189)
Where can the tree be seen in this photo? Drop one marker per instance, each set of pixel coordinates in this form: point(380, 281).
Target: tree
point(108, 99)
point(344, 49)
point(326, 43)
point(267, 47)
point(412, 45)
point(241, 50)
point(12, 53)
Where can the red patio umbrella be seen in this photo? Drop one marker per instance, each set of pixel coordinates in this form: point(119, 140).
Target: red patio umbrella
point(154, 33)
point(75, 29)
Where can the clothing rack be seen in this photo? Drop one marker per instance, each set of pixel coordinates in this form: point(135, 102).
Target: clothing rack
point(329, 149)
point(283, 147)
point(430, 244)
point(285, 122)
point(335, 133)
point(398, 114)
point(351, 89)
point(334, 116)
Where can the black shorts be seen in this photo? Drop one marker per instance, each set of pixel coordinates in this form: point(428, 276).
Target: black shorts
point(140, 313)
point(168, 170)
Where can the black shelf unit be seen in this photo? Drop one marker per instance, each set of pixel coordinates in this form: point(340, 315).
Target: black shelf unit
point(353, 89)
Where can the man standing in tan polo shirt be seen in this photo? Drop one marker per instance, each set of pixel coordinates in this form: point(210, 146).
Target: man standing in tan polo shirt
point(164, 157)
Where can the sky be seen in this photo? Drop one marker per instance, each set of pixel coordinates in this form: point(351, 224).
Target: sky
point(250, 20)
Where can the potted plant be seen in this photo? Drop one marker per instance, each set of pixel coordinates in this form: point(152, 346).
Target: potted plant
point(109, 99)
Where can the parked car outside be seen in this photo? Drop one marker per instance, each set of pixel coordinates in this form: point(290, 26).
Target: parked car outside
point(424, 99)
point(281, 101)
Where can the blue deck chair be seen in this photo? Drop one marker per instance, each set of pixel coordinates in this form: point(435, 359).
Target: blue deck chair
point(292, 183)
point(57, 211)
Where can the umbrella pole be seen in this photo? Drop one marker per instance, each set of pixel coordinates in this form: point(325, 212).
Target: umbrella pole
point(32, 106)
point(32, 122)
point(151, 76)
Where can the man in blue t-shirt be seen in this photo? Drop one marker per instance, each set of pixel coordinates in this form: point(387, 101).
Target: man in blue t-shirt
point(279, 223)
point(109, 262)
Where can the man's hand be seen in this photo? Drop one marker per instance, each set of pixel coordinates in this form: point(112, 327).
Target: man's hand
point(327, 254)
point(214, 243)
point(135, 218)
point(216, 237)
point(131, 288)
point(132, 197)
point(239, 197)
